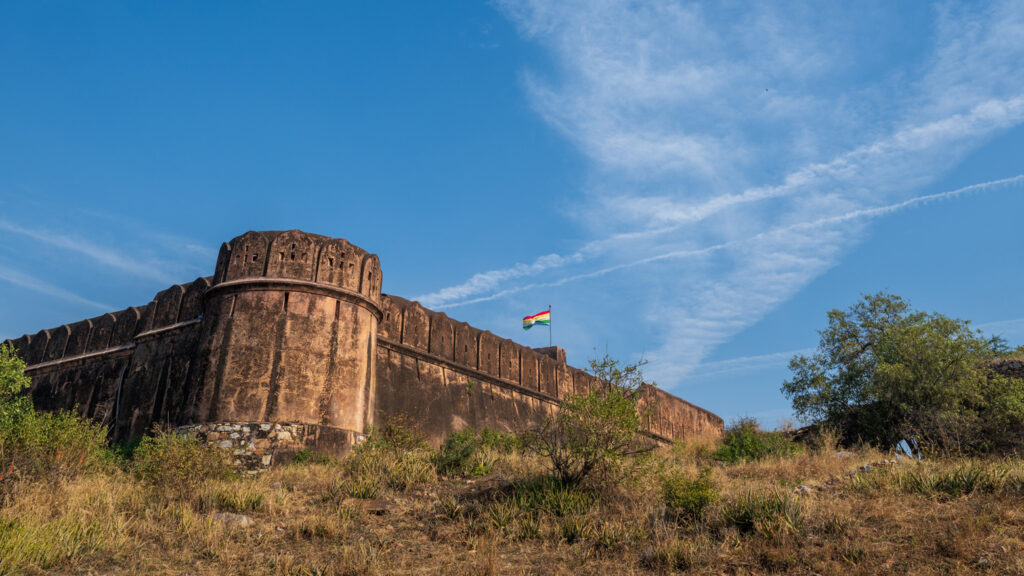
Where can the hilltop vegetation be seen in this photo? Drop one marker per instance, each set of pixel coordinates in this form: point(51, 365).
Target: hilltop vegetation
point(481, 505)
point(578, 495)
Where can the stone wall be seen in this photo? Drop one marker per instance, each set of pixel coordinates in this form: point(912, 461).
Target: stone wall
point(127, 369)
point(447, 375)
point(293, 330)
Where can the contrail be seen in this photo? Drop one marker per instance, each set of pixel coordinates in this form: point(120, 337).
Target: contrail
point(676, 254)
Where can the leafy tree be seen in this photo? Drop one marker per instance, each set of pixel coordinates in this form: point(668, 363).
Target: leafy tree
point(594, 431)
point(883, 371)
point(14, 403)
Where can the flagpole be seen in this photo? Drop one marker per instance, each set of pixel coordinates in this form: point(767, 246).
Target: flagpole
point(549, 326)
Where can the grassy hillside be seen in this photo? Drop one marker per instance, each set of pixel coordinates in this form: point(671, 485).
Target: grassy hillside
point(694, 507)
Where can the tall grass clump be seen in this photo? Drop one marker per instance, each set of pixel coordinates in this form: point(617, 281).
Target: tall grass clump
point(767, 513)
point(964, 479)
point(394, 457)
point(744, 441)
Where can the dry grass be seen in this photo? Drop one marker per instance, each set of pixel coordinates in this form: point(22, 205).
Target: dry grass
point(803, 514)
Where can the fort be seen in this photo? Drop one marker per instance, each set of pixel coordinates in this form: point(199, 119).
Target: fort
point(291, 345)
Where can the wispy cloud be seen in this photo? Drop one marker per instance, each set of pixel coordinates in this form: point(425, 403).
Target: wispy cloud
point(25, 280)
point(738, 154)
point(148, 268)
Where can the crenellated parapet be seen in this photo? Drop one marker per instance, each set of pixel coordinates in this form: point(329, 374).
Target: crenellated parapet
point(300, 256)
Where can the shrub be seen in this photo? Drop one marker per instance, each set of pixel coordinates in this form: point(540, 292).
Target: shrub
point(595, 431)
point(456, 452)
point(42, 446)
point(687, 498)
point(745, 441)
point(176, 464)
point(51, 447)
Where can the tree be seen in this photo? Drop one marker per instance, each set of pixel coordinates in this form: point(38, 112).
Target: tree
point(14, 403)
point(883, 372)
point(593, 431)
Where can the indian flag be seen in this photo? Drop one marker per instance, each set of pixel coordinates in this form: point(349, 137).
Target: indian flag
point(541, 318)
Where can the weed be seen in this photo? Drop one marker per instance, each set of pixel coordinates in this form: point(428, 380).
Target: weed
point(688, 499)
point(574, 528)
point(668, 555)
point(310, 456)
point(239, 499)
point(501, 514)
point(770, 514)
point(527, 527)
point(450, 507)
point(550, 495)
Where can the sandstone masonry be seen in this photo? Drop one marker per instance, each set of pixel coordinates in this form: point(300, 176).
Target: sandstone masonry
point(291, 344)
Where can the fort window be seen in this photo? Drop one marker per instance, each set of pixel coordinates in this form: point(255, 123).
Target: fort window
point(255, 257)
point(330, 262)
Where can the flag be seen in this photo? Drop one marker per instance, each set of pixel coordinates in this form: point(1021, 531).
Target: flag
point(540, 318)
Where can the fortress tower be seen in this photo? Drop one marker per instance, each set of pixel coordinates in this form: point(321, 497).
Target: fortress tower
point(289, 332)
point(291, 344)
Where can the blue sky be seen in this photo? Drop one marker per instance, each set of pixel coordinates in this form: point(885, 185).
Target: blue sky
point(694, 184)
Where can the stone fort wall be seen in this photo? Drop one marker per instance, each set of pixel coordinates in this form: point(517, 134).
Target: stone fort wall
point(292, 329)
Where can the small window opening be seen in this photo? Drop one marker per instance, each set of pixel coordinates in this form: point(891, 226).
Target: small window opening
point(330, 262)
point(255, 257)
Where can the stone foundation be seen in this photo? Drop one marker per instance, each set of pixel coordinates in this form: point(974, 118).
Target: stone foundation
point(259, 445)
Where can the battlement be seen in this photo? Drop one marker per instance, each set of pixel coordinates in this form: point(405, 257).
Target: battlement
point(292, 330)
point(300, 256)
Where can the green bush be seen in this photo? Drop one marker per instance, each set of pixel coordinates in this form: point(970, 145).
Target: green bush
point(745, 441)
point(176, 465)
point(688, 498)
point(595, 431)
point(51, 446)
point(14, 402)
point(41, 446)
